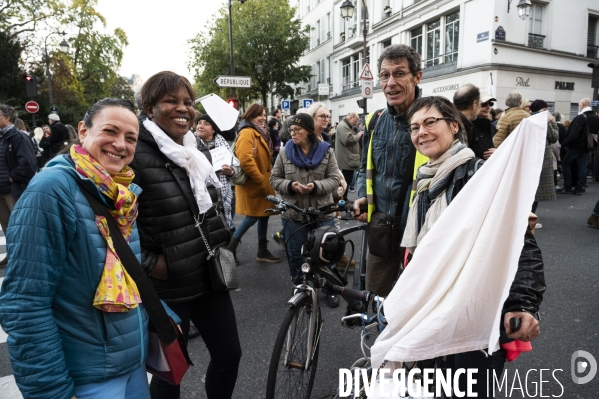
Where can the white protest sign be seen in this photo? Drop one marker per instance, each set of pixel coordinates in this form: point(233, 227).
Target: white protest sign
point(220, 111)
point(221, 156)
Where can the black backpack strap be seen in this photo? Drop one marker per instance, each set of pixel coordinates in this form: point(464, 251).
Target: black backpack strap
point(151, 301)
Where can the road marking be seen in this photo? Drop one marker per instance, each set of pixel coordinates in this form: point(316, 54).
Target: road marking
point(9, 388)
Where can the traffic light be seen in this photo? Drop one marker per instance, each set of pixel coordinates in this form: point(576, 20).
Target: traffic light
point(30, 85)
point(362, 104)
point(233, 102)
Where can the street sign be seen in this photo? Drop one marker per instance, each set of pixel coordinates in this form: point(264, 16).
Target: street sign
point(323, 89)
point(595, 103)
point(367, 88)
point(32, 107)
point(366, 73)
point(233, 81)
point(285, 104)
point(306, 102)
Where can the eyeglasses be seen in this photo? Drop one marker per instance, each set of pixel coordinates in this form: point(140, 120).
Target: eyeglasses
point(428, 123)
point(295, 130)
point(488, 104)
point(397, 75)
point(324, 117)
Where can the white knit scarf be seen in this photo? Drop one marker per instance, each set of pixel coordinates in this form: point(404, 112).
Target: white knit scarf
point(187, 156)
point(433, 176)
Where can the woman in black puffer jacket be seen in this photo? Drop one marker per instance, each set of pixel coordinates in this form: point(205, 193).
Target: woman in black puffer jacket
point(173, 252)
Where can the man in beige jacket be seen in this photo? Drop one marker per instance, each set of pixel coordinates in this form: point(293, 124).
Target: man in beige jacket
point(511, 118)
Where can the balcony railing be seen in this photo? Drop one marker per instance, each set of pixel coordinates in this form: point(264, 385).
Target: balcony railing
point(535, 41)
point(593, 51)
point(349, 85)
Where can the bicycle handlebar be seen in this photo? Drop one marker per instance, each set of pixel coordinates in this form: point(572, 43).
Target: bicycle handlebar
point(351, 294)
point(282, 206)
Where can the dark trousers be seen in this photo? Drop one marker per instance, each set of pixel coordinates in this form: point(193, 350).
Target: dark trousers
point(476, 360)
point(214, 317)
point(348, 175)
point(578, 156)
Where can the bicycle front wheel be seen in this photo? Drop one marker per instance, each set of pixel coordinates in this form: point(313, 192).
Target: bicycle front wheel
point(288, 376)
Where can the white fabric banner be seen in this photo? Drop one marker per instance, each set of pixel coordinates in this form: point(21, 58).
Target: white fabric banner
point(449, 298)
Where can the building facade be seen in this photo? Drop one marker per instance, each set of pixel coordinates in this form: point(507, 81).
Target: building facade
point(460, 41)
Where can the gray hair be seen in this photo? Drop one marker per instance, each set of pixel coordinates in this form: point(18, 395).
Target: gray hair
point(399, 52)
point(513, 99)
point(313, 110)
point(558, 116)
point(9, 111)
point(351, 115)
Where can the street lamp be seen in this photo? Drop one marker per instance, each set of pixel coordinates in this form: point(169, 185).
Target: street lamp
point(523, 8)
point(259, 69)
point(101, 77)
point(347, 12)
point(64, 47)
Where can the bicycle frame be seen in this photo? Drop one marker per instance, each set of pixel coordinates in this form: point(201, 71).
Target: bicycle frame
point(301, 291)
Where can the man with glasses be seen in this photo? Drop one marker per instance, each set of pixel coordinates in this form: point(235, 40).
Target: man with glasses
point(475, 109)
point(17, 165)
point(387, 165)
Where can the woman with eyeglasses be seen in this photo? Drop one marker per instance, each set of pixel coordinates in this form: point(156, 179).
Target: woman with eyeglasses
point(305, 174)
point(322, 117)
point(437, 133)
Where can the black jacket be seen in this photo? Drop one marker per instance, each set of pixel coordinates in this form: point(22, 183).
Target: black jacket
point(166, 225)
point(480, 137)
point(20, 159)
point(577, 132)
point(59, 138)
point(526, 292)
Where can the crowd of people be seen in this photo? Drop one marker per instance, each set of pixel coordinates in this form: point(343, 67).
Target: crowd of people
point(152, 170)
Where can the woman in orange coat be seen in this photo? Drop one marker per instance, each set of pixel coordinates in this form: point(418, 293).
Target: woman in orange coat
point(254, 150)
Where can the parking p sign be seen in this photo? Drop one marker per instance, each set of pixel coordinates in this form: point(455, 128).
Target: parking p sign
point(285, 104)
point(306, 102)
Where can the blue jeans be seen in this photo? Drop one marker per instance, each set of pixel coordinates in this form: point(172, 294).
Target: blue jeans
point(596, 209)
point(579, 156)
point(130, 386)
point(248, 222)
point(476, 360)
point(296, 236)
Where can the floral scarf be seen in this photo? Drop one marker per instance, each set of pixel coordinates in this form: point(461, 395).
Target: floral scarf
point(117, 292)
point(263, 130)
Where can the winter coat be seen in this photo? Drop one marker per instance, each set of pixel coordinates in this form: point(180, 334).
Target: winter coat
point(166, 226)
point(528, 287)
point(508, 122)
point(325, 178)
point(347, 147)
point(577, 131)
point(480, 138)
point(546, 189)
point(250, 198)
point(392, 145)
point(59, 138)
point(20, 160)
point(57, 339)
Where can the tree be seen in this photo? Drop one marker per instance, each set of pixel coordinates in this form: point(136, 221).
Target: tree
point(264, 29)
point(11, 85)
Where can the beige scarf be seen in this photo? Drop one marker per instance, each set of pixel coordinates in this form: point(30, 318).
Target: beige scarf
point(433, 181)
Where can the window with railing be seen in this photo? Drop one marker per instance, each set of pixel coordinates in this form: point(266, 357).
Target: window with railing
point(592, 38)
point(353, 26)
point(535, 32)
point(452, 33)
point(437, 42)
point(416, 40)
point(433, 45)
point(346, 74)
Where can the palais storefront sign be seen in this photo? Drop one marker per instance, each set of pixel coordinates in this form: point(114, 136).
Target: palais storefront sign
point(520, 81)
point(564, 85)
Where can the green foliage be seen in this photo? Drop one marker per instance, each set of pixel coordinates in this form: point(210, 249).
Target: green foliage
point(265, 29)
point(11, 84)
point(94, 55)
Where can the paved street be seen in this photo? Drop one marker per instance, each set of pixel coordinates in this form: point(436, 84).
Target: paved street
point(569, 314)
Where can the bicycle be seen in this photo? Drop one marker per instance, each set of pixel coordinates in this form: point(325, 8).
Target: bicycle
point(295, 355)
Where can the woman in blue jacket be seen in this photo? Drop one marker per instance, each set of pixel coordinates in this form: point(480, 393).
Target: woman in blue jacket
point(73, 331)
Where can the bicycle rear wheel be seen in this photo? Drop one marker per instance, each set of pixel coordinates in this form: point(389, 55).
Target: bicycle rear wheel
point(288, 377)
